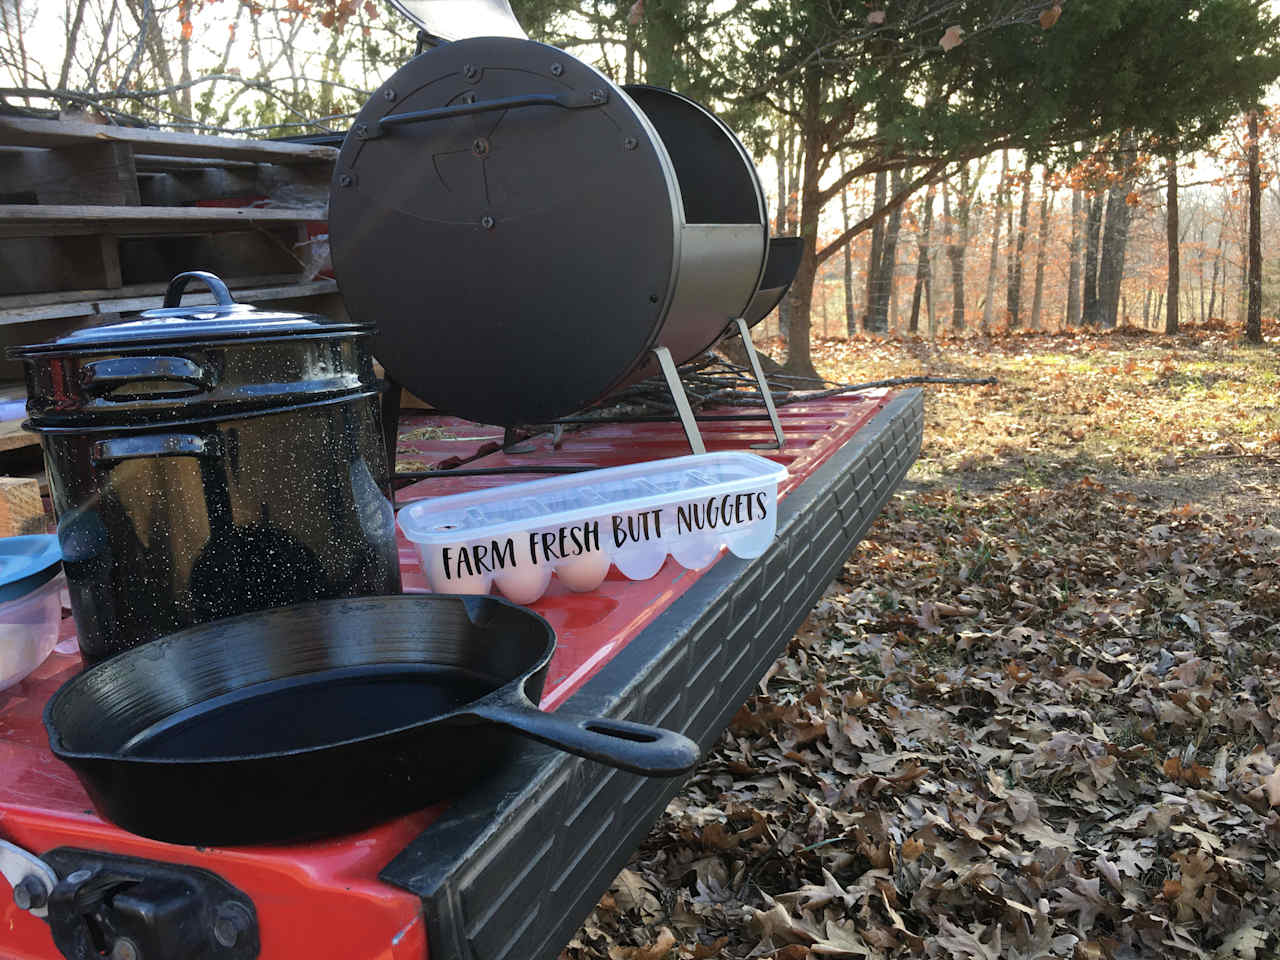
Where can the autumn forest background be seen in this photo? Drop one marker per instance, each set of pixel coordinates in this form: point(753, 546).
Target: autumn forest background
point(1037, 715)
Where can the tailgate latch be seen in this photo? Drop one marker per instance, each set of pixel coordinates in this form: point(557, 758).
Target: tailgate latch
point(126, 908)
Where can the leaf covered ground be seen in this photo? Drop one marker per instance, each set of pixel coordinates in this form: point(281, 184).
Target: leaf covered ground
point(1038, 714)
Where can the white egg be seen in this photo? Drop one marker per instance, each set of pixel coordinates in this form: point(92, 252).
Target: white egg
point(525, 583)
point(459, 582)
point(585, 572)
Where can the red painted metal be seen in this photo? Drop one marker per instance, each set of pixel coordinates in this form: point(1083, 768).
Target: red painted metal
point(324, 899)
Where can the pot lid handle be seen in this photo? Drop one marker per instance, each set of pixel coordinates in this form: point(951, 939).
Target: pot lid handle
point(173, 296)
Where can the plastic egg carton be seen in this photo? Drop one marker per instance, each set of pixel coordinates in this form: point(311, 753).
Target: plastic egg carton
point(578, 525)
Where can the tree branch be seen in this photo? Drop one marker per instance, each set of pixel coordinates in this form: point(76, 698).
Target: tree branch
point(898, 199)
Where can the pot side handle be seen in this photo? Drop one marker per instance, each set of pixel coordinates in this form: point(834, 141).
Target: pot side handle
point(635, 747)
point(103, 377)
point(155, 445)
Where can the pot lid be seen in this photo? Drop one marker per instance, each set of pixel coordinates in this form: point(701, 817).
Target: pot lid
point(27, 563)
point(511, 220)
point(457, 19)
point(222, 320)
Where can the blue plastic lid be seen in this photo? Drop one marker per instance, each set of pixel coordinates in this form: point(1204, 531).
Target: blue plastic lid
point(27, 563)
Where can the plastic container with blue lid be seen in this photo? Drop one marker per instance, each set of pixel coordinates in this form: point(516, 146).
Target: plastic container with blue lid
point(30, 604)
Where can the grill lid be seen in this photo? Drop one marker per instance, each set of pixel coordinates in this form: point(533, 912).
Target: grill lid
point(511, 221)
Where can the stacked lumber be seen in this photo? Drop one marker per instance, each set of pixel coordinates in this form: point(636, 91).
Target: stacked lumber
point(95, 219)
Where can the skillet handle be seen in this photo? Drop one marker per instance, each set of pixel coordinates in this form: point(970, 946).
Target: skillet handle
point(636, 747)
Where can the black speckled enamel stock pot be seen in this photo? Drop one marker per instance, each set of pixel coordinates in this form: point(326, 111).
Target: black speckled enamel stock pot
point(210, 461)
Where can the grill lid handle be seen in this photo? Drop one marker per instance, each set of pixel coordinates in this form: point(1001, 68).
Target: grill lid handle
point(567, 101)
point(173, 296)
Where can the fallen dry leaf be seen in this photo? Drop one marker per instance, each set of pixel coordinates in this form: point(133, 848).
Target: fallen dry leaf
point(1037, 714)
point(658, 950)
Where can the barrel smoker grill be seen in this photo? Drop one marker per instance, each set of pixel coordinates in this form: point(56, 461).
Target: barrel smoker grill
point(530, 237)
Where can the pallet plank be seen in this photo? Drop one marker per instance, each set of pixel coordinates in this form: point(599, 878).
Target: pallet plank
point(27, 300)
point(25, 132)
point(31, 220)
point(117, 304)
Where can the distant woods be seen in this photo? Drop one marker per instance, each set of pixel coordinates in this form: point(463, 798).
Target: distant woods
point(1120, 237)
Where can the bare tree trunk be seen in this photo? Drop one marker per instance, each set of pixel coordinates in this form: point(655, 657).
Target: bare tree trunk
point(822, 296)
point(11, 16)
point(1253, 322)
point(1111, 264)
point(1014, 293)
point(781, 220)
point(1217, 271)
point(184, 57)
point(956, 250)
point(799, 355)
point(922, 263)
point(1171, 237)
point(1200, 265)
point(1077, 249)
point(929, 302)
point(1010, 257)
point(1037, 301)
point(73, 34)
point(1093, 230)
point(882, 298)
point(877, 247)
point(1213, 286)
point(850, 318)
point(631, 52)
point(1242, 308)
point(1146, 310)
point(784, 206)
point(989, 303)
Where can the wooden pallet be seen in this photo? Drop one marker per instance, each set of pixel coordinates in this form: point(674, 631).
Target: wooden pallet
point(85, 206)
point(95, 219)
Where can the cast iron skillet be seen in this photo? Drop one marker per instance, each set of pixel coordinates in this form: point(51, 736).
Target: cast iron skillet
point(323, 717)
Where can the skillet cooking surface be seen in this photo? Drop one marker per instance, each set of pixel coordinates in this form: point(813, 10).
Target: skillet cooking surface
point(314, 710)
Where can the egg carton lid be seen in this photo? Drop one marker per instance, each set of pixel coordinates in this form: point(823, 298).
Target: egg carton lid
point(572, 498)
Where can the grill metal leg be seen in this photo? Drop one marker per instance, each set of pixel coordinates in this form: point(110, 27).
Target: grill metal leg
point(765, 392)
point(681, 400)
